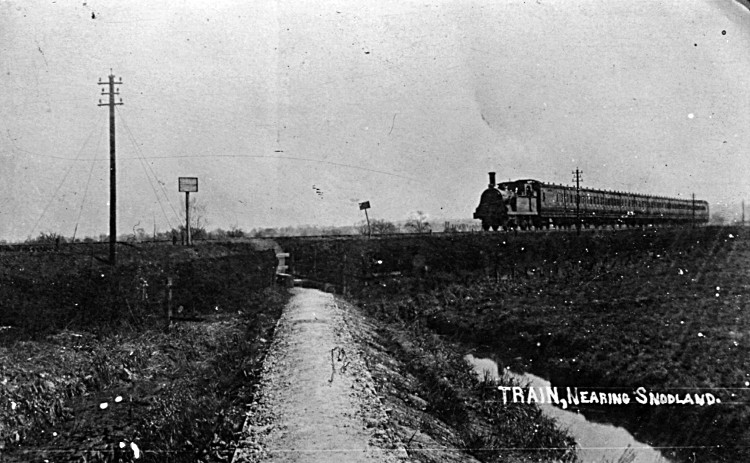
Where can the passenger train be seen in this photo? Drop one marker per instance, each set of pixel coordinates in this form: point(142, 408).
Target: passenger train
point(533, 204)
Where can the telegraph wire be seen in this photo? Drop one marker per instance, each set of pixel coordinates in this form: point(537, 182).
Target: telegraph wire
point(288, 158)
point(146, 167)
point(296, 158)
point(144, 164)
point(156, 194)
point(86, 190)
point(62, 181)
point(249, 156)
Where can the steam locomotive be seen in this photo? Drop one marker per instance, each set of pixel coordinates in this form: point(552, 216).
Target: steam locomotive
point(530, 203)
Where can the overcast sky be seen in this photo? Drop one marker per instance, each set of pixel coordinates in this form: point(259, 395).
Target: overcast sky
point(293, 112)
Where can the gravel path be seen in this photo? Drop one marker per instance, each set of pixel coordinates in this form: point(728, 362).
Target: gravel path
point(316, 400)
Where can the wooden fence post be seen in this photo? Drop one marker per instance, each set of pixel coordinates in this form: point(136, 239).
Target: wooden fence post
point(168, 307)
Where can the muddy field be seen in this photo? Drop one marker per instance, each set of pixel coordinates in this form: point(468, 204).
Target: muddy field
point(662, 309)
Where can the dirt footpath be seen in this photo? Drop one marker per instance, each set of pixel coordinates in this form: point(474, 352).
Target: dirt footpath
point(316, 401)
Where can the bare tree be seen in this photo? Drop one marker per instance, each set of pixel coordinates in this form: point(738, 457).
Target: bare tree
point(418, 223)
point(198, 218)
point(378, 227)
point(235, 232)
point(47, 238)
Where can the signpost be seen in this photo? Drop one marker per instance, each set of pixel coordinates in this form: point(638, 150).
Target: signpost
point(187, 185)
point(363, 207)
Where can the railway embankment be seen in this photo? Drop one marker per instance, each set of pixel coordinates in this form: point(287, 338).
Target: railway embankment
point(661, 311)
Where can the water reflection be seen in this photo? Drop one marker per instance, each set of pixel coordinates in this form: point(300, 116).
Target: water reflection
point(599, 443)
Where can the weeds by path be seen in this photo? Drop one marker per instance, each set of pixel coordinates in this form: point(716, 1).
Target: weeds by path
point(177, 397)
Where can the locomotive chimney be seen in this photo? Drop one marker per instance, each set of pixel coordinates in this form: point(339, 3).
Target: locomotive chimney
point(492, 180)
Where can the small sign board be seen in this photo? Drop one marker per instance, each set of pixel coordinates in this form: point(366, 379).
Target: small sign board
point(188, 184)
point(364, 205)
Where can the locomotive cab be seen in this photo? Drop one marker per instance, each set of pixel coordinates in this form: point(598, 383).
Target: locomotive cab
point(509, 204)
point(524, 196)
point(524, 203)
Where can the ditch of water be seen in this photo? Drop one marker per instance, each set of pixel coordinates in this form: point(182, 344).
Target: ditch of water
point(597, 442)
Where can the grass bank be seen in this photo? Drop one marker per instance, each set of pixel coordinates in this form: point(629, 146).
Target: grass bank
point(177, 396)
point(78, 386)
point(442, 411)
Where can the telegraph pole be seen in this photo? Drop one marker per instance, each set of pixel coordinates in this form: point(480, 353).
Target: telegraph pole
point(577, 179)
point(743, 212)
point(112, 165)
point(693, 209)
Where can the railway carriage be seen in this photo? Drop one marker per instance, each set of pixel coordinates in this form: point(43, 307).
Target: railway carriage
point(530, 203)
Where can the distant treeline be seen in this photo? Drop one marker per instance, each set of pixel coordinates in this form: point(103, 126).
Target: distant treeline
point(417, 223)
